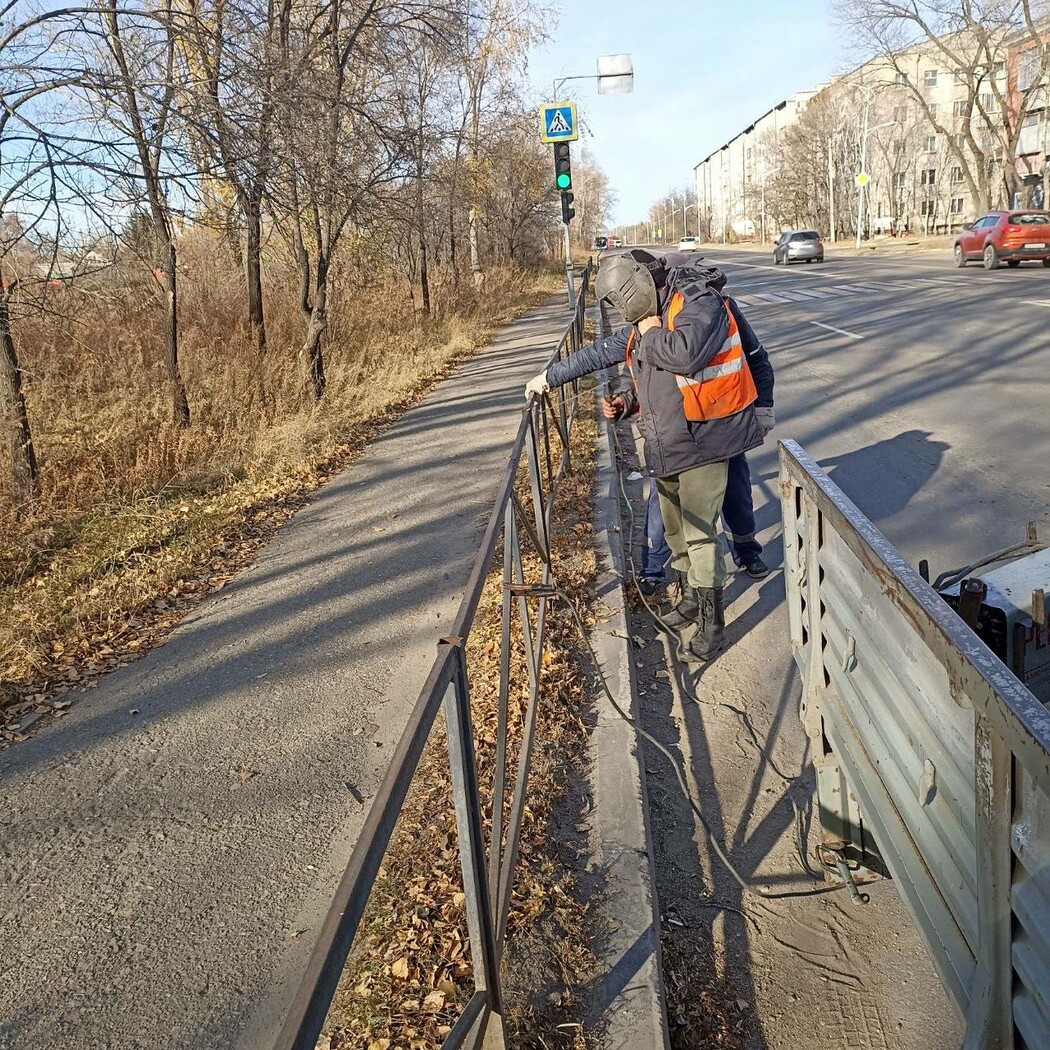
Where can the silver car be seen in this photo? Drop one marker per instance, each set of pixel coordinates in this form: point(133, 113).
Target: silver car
point(798, 244)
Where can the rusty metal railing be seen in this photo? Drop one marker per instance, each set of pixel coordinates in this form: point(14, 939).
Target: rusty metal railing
point(487, 881)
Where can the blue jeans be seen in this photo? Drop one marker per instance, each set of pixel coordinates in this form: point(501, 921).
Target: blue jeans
point(738, 512)
point(656, 554)
point(738, 515)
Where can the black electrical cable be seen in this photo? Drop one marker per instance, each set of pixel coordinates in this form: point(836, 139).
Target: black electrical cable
point(745, 885)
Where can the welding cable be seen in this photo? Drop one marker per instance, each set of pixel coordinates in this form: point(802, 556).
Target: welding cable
point(746, 885)
point(553, 591)
point(799, 833)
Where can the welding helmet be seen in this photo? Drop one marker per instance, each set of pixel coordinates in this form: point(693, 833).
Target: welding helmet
point(628, 282)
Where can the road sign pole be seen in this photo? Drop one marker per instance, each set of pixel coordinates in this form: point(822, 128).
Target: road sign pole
point(568, 268)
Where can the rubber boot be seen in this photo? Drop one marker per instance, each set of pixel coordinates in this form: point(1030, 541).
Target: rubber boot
point(710, 638)
point(686, 610)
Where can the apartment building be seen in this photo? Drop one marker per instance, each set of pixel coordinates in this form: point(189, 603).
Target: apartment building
point(903, 119)
point(728, 179)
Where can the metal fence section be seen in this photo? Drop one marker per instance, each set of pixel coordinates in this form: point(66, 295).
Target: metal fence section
point(932, 759)
point(488, 873)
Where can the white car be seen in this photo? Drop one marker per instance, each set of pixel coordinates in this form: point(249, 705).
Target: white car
point(689, 244)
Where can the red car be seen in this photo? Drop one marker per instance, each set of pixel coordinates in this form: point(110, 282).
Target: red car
point(1005, 236)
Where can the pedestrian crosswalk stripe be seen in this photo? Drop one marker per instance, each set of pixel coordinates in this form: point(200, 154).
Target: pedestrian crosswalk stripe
point(799, 295)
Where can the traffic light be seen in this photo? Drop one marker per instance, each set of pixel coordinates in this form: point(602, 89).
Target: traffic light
point(562, 166)
point(567, 211)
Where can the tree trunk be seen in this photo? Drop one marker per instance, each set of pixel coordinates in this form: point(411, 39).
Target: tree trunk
point(253, 267)
point(180, 406)
point(311, 356)
point(424, 277)
point(22, 457)
point(475, 255)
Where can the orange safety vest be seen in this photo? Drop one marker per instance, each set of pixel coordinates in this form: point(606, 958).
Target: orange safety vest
point(724, 386)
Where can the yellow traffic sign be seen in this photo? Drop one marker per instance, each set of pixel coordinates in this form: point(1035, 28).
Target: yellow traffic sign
point(558, 122)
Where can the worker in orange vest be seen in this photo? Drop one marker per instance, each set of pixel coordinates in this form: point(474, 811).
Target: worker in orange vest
point(696, 395)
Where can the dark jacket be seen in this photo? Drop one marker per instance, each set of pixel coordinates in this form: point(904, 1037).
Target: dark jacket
point(674, 443)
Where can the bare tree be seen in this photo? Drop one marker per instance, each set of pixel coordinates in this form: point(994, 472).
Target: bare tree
point(131, 90)
point(234, 77)
point(31, 216)
point(971, 43)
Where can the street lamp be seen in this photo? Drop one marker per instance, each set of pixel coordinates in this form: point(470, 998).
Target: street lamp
point(766, 175)
point(615, 76)
point(696, 208)
point(862, 186)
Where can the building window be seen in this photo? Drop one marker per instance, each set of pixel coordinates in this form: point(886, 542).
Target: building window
point(900, 179)
point(957, 175)
point(961, 76)
point(928, 207)
point(998, 69)
point(985, 99)
point(957, 205)
point(900, 114)
point(901, 78)
point(931, 143)
point(1029, 140)
point(1027, 69)
point(932, 107)
point(961, 108)
point(929, 78)
point(928, 177)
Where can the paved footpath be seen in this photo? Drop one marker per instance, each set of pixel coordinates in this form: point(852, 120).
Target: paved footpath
point(167, 850)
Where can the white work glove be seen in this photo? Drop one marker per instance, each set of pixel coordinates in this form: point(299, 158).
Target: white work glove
point(766, 418)
point(537, 386)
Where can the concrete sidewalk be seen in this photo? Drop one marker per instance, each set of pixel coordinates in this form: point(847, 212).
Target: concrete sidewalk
point(168, 850)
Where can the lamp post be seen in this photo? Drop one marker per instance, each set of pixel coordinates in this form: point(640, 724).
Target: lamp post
point(696, 208)
point(862, 186)
point(766, 175)
point(615, 76)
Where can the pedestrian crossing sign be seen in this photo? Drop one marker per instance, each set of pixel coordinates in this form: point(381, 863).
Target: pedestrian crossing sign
point(558, 122)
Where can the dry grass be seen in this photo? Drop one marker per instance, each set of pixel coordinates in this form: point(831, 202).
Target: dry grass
point(410, 972)
point(138, 518)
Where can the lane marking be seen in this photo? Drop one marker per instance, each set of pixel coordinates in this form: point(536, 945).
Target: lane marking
point(1036, 302)
point(837, 331)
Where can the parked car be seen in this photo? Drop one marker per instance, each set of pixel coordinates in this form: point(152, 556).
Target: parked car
point(689, 244)
point(1005, 236)
point(617, 242)
point(798, 244)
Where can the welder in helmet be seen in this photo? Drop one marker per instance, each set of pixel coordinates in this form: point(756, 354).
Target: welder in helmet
point(692, 385)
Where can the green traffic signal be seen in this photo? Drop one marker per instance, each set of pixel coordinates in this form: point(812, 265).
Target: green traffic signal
point(562, 166)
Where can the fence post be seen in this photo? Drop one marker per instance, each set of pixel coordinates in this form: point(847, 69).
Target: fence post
point(989, 1019)
point(471, 851)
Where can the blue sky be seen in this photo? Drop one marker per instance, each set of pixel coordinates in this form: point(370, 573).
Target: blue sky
point(704, 69)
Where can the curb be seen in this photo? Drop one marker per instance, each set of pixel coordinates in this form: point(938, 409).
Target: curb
point(628, 1003)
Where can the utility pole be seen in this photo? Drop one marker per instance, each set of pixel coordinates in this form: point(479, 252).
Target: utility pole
point(863, 169)
point(831, 185)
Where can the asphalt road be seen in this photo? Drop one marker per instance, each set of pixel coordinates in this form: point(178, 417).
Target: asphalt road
point(168, 850)
point(923, 391)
